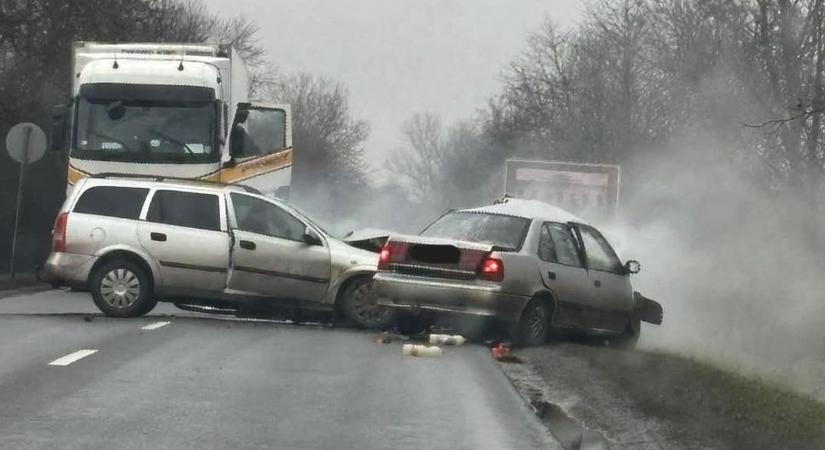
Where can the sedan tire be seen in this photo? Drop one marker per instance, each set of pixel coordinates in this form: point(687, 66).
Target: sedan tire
point(359, 306)
point(629, 337)
point(533, 327)
point(121, 288)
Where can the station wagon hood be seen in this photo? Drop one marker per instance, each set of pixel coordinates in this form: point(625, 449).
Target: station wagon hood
point(370, 239)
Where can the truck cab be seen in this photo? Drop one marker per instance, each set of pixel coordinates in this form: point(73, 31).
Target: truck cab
point(177, 110)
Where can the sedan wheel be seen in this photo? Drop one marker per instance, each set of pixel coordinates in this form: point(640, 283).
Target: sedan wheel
point(533, 327)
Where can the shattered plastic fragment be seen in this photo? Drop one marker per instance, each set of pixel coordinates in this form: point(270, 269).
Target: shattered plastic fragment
point(447, 339)
point(420, 350)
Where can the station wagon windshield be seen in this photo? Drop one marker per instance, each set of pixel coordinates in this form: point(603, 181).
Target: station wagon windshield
point(146, 123)
point(506, 232)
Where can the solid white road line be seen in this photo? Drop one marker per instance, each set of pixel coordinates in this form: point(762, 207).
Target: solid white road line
point(155, 326)
point(72, 357)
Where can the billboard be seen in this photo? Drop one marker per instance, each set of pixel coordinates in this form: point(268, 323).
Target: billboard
point(587, 190)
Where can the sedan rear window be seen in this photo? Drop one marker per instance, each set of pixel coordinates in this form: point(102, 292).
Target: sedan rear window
point(112, 201)
point(505, 232)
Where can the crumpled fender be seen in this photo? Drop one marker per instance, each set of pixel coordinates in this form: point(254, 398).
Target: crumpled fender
point(647, 310)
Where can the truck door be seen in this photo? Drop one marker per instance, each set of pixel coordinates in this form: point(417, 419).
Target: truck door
point(608, 281)
point(260, 147)
point(563, 272)
point(271, 256)
point(186, 233)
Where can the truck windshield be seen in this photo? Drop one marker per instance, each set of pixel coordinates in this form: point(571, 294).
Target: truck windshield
point(146, 123)
point(504, 232)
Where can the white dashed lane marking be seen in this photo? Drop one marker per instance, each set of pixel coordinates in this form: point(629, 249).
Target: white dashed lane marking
point(72, 357)
point(155, 326)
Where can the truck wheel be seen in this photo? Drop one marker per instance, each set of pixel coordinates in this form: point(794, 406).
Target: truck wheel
point(534, 325)
point(359, 306)
point(121, 288)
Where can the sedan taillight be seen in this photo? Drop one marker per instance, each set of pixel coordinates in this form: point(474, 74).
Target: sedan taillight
point(384, 257)
point(491, 269)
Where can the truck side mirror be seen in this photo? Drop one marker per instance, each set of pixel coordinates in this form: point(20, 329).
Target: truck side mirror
point(59, 127)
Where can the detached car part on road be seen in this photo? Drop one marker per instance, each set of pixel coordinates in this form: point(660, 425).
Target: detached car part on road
point(135, 242)
point(532, 265)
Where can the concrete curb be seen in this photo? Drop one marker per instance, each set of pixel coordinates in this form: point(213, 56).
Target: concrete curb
point(569, 431)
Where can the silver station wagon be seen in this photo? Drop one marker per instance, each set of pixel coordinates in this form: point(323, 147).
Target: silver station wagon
point(536, 267)
point(135, 242)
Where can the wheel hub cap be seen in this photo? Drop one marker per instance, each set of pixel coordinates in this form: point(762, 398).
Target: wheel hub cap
point(120, 288)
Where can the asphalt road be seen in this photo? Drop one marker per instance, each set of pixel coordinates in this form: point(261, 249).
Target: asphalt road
point(201, 382)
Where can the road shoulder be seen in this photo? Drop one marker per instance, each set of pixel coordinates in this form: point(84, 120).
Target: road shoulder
point(639, 399)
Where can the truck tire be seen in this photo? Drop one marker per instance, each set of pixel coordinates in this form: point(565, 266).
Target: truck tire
point(121, 288)
point(359, 307)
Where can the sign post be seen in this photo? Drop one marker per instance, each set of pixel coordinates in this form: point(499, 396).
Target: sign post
point(26, 143)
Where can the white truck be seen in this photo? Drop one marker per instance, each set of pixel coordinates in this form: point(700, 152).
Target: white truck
point(171, 111)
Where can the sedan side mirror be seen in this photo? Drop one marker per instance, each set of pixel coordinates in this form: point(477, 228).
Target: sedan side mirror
point(311, 237)
point(632, 266)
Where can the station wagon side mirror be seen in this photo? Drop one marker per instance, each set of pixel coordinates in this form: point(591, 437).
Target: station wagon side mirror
point(311, 237)
point(632, 266)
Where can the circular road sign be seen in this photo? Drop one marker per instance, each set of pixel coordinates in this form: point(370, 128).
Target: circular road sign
point(26, 142)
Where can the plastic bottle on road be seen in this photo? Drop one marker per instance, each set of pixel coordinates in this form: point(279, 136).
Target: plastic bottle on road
point(420, 350)
point(447, 339)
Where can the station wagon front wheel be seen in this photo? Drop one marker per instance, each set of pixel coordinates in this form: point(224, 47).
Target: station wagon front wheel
point(121, 288)
point(359, 306)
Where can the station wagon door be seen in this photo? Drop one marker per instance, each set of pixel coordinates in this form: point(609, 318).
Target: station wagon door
point(186, 233)
point(270, 257)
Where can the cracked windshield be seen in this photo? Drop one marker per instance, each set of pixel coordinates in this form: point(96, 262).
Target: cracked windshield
point(387, 224)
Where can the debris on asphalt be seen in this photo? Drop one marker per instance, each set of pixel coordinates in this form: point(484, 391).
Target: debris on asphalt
point(88, 318)
point(386, 337)
point(501, 352)
point(447, 339)
point(421, 350)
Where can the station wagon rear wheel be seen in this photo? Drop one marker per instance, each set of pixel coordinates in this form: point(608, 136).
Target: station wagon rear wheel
point(359, 306)
point(534, 325)
point(121, 288)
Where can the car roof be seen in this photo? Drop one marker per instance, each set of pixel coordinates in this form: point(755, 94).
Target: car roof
point(528, 209)
point(151, 181)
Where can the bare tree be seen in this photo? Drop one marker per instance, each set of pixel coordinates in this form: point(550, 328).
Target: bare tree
point(329, 165)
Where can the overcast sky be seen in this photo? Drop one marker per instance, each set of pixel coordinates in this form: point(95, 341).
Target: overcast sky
point(398, 57)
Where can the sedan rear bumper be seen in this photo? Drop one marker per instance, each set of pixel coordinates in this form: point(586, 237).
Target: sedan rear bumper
point(68, 268)
point(477, 298)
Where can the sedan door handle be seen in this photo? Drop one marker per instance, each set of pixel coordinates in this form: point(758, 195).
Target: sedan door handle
point(597, 283)
point(158, 237)
point(248, 245)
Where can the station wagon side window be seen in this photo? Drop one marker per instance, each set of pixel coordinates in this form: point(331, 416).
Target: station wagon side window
point(185, 209)
point(112, 201)
point(600, 255)
point(558, 245)
point(262, 217)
